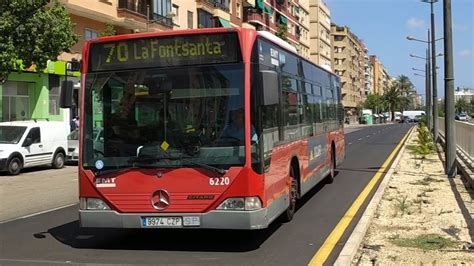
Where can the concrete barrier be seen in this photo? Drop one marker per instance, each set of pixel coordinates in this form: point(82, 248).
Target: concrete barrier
point(464, 135)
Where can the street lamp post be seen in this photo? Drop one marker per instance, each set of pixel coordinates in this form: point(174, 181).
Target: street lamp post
point(433, 55)
point(428, 85)
point(427, 89)
point(449, 92)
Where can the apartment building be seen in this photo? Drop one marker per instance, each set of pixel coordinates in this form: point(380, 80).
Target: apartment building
point(368, 74)
point(347, 64)
point(379, 75)
point(290, 18)
point(320, 34)
point(222, 13)
point(304, 29)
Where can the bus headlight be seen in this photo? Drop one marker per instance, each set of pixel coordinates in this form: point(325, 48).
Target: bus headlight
point(252, 203)
point(241, 204)
point(93, 204)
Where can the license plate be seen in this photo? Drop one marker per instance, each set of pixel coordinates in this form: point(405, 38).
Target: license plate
point(186, 221)
point(162, 222)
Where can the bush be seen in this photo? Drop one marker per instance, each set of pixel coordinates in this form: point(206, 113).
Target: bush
point(425, 142)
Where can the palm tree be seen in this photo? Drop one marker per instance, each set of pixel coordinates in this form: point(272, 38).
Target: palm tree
point(392, 99)
point(404, 83)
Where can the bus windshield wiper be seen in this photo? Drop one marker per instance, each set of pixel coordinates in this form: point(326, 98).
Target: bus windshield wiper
point(184, 159)
point(113, 170)
point(209, 167)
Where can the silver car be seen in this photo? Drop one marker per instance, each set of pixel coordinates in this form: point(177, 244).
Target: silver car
point(73, 144)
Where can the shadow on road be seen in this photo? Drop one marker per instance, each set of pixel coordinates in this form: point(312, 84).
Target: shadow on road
point(159, 239)
point(167, 239)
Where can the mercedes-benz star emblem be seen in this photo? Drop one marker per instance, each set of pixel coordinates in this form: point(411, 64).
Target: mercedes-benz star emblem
point(160, 200)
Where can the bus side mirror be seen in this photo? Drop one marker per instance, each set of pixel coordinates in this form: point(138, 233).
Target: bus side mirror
point(66, 96)
point(270, 94)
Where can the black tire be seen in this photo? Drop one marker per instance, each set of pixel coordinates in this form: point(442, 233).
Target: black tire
point(58, 160)
point(14, 166)
point(292, 197)
point(332, 168)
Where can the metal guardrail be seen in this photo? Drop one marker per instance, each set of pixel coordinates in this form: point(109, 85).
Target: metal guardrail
point(464, 135)
point(464, 150)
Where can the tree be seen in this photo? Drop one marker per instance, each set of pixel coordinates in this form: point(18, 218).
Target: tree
point(392, 99)
point(33, 32)
point(281, 32)
point(462, 105)
point(374, 102)
point(109, 30)
point(404, 83)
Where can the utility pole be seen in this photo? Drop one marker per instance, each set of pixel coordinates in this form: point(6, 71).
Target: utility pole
point(449, 92)
point(427, 91)
point(429, 96)
point(435, 90)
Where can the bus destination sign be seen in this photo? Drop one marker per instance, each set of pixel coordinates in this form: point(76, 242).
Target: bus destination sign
point(165, 51)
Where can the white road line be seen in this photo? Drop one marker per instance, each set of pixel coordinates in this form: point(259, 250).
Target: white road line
point(360, 139)
point(38, 213)
point(368, 136)
point(349, 143)
point(36, 261)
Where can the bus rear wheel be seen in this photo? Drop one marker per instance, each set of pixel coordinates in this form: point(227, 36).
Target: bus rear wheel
point(293, 194)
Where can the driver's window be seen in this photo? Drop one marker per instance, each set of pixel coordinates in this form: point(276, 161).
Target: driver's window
point(34, 135)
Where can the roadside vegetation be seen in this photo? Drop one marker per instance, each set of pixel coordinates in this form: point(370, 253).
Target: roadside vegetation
point(424, 242)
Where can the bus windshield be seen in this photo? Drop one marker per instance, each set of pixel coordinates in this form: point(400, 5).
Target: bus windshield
point(174, 116)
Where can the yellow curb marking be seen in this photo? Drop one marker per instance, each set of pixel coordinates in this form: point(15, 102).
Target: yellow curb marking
point(323, 253)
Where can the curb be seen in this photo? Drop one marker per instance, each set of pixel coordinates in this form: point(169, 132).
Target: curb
point(352, 245)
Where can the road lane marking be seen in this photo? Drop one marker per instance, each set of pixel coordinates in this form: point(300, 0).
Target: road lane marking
point(331, 241)
point(35, 261)
point(350, 143)
point(38, 213)
point(360, 139)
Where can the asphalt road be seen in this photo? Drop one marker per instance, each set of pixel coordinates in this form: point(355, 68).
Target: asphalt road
point(55, 237)
point(37, 189)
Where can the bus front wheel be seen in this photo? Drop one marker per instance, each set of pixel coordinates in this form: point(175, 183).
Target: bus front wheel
point(293, 194)
point(332, 167)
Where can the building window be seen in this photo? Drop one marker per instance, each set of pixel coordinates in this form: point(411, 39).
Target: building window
point(15, 101)
point(162, 7)
point(175, 13)
point(237, 11)
point(190, 19)
point(205, 19)
point(53, 94)
point(90, 34)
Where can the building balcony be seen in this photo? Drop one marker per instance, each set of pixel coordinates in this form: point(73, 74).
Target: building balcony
point(215, 7)
point(248, 3)
point(137, 11)
point(134, 7)
point(256, 18)
point(222, 5)
point(162, 20)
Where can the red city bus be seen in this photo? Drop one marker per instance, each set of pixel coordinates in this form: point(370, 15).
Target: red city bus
point(208, 128)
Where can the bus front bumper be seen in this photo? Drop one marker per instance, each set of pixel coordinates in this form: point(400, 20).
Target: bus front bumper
point(245, 220)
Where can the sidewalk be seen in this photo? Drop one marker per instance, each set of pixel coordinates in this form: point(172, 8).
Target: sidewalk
point(417, 216)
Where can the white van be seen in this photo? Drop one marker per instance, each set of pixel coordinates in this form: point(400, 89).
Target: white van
point(413, 116)
point(32, 143)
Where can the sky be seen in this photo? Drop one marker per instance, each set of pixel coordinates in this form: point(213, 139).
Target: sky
point(383, 26)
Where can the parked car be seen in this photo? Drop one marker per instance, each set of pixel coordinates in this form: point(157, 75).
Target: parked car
point(73, 144)
point(32, 143)
point(461, 116)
